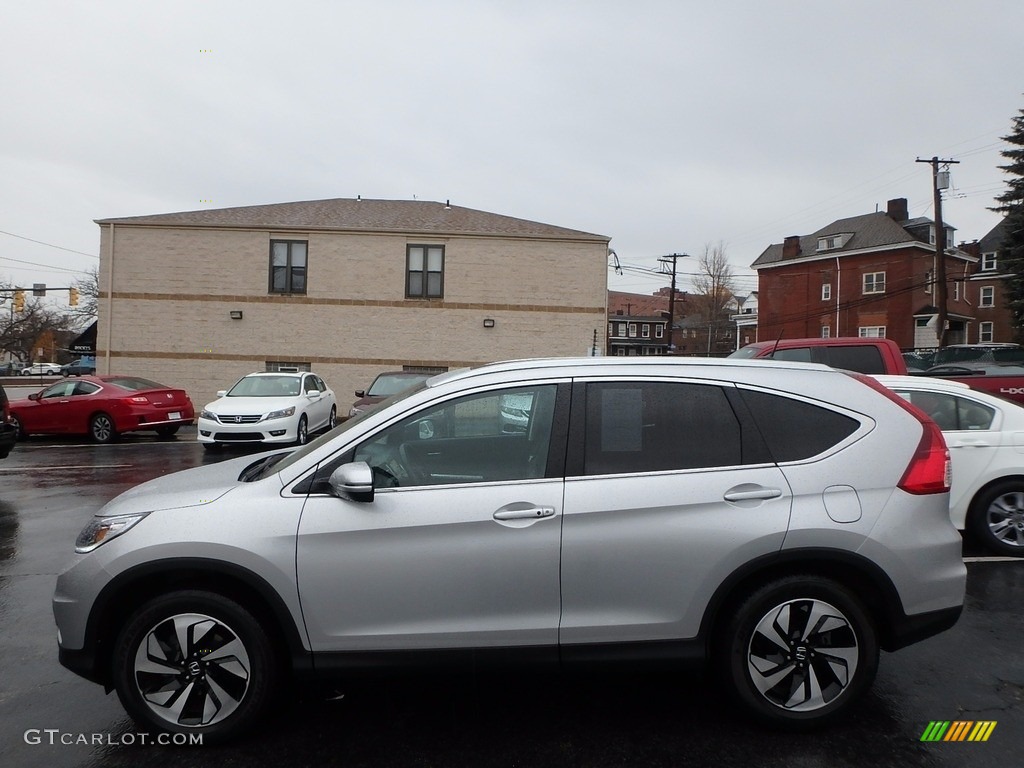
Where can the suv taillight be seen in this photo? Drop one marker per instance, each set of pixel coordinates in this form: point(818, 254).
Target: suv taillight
point(929, 470)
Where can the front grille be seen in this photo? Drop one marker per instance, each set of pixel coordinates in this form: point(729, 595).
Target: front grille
point(238, 419)
point(228, 437)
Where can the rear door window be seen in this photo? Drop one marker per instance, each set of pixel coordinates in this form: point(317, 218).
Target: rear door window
point(795, 429)
point(861, 358)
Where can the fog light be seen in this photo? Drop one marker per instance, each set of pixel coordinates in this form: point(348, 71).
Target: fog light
point(277, 432)
point(204, 432)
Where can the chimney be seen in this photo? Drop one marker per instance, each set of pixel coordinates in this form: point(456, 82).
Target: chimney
point(791, 247)
point(897, 209)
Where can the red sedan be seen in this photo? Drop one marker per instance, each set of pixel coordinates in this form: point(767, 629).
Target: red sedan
point(103, 407)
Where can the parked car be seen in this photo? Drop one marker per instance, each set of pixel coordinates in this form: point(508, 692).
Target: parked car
point(781, 521)
point(278, 407)
point(83, 366)
point(385, 385)
point(983, 434)
point(10, 369)
point(8, 432)
point(103, 407)
point(991, 353)
point(41, 369)
point(862, 354)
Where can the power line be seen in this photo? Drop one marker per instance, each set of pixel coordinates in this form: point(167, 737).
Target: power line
point(49, 245)
point(45, 266)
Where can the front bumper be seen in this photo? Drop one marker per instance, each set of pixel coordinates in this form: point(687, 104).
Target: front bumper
point(273, 431)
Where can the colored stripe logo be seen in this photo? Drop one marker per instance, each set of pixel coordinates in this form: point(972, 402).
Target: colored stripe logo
point(958, 730)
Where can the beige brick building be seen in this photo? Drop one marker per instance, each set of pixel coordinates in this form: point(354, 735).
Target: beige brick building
point(348, 287)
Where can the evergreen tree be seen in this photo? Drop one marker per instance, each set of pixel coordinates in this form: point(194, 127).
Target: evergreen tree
point(1011, 204)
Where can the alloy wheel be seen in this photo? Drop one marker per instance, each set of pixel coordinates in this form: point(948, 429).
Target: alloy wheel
point(802, 655)
point(192, 670)
point(1005, 518)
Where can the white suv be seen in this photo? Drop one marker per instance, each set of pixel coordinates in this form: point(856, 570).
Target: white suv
point(783, 521)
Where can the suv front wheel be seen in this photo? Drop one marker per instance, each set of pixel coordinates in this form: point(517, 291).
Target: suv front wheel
point(197, 663)
point(801, 649)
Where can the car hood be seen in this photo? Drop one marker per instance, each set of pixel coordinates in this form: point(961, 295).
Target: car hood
point(188, 488)
point(241, 406)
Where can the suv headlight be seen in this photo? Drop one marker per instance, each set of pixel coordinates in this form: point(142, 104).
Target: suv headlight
point(280, 414)
point(102, 529)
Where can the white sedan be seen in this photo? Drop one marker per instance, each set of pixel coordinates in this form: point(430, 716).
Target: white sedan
point(41, 369)
point(985, 435)
point(269, 408)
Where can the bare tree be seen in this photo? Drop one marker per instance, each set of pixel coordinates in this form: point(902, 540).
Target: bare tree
point(713, 293)
point(88, 297)
point(20, 331)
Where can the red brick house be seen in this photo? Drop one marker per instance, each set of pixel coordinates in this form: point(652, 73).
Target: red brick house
point(994, 320)
point(869, 275)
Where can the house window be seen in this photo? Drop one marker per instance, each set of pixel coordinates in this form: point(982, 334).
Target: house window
point(826, 291)
point(622, 330)
point(871, 332)
point(424, 272)
point(985, 332)
point(874, 282)
point(826, 331)
point(988, 296)
point(928, 281)
point(645, 332)
point(659, 331)
point(287, 266)
point(632, 330)
point(988, 261)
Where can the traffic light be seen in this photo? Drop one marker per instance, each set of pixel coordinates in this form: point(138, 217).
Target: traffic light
point(72, 297)
point(19, 301)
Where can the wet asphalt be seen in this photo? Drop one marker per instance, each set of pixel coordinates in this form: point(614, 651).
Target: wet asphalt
point(49, 488)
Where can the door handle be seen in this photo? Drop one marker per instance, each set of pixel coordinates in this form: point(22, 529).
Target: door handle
point(759, 493)
point(970, 444)
point(523, 514)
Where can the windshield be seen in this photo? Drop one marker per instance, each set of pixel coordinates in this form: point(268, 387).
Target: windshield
point(266, 386)
point(134, 383)
point(388, 384)
point(338, 430)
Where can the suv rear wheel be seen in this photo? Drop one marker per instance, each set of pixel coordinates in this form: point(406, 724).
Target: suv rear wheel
point(800, 651)
point(194, 662)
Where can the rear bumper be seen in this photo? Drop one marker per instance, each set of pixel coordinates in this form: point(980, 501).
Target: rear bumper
point(907, 630)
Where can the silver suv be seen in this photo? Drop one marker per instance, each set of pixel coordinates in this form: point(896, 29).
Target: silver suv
point(782, 521)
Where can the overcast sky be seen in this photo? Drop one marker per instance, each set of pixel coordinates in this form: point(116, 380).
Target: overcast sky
point(664, 125)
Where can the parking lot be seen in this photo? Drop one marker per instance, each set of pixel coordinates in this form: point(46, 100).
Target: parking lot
point(49, 487)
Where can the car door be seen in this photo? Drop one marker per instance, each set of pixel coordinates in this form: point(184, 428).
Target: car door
point(314, 403)
point(52, 412)
point(459, 546)
point(666, 493)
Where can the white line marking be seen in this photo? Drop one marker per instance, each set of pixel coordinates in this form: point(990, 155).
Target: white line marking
point(77, 466)
point(993, 559)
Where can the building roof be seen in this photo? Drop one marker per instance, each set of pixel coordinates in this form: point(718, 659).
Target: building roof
point(359, 215)
point(871, 230)
point(638, 304)
point(993, 241)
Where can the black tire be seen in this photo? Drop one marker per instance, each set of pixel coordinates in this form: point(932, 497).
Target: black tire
point(829, 641)
point(996, 519)
point(332, 421)
point(20, 433)
point(166, 433)
point(302, 431)
point(101, 428)
point(219, 686)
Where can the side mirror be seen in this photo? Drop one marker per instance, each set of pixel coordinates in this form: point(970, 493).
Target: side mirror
point(34, 396)
point(360, 393)
point(221, 392)
point(352, 481)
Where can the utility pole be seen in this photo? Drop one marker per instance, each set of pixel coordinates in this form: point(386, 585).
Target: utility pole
point(941, 294)
point(673, 257)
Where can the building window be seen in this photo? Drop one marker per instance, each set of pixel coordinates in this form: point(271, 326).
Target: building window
point(611, 329)
point(632, 330)
point(287, 266)
point(956, 290)
point(874, 282)
point(988, 261)
point(826, 291)
point(988, 296)
point(985, 332)
point(826, 331)
point(424, 272)
point(928, 281)
point(872, 332)
point(659, 331)
point(645, 332)
point(280, 366)
point(622, 330)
